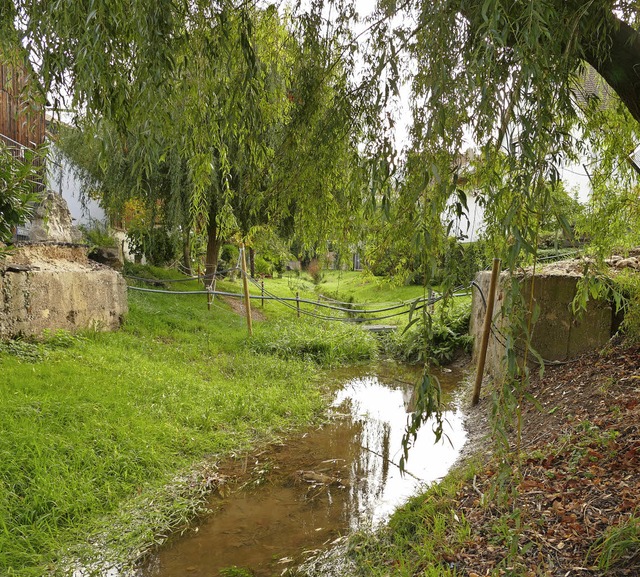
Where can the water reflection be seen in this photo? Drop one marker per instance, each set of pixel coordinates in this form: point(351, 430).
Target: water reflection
point(319, 486)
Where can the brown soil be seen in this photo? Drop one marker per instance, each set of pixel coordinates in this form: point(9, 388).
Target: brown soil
point(579, 477)
point(238, 306)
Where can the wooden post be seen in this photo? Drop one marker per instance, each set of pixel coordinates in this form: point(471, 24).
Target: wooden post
point(262, 291)
point(486, 330)
point(245, 284)
point(298, 303)
point(209, 294)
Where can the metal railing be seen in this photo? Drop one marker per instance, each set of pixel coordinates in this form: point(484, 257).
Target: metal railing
point(18, 151)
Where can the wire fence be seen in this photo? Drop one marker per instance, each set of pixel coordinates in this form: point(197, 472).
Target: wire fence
point(349, 312)
point(323, 308)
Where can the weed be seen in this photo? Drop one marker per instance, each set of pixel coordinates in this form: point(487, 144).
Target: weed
point(628, 284)
point(617, 544)
point(449, 335)
point(23, 350)
point(60, 339)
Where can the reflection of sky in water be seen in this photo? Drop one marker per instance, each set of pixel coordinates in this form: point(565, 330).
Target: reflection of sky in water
point(375, 484)
point(286, 514)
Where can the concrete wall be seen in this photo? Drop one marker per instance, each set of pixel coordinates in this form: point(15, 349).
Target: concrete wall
point(557, 334)
point(53, 286)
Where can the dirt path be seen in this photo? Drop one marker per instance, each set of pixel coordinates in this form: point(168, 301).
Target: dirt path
point(238, 306)
point(580, 478)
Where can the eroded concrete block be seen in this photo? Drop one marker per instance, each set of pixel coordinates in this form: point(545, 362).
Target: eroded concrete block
point(558, 334)
point(47, 286)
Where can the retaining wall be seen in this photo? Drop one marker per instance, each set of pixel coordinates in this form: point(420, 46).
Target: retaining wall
point(55, 286)
point(557, 334)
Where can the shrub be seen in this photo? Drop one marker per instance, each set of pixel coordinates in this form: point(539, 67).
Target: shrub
point(229, 254)
point(315, 271)
point(97, 236)
point(628, 283)
point(262, 266)
point(450, 336)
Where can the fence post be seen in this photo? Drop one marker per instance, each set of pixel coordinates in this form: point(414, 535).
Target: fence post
point(486, 330)
point(262, 291)
point(298, 303)
point(245, 283)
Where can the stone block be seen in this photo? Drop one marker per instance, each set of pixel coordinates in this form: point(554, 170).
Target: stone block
point(51, 292)
point(557, 333)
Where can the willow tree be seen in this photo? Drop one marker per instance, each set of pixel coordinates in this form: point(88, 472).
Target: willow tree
point(238, 120)
point(531, 85)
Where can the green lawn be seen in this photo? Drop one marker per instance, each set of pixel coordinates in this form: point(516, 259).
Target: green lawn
point(361, 290)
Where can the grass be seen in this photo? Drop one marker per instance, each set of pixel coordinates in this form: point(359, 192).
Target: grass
point(107, 439)
point(311, 341)
point(419, 537)
point(347, 286)
point(96, 428)
point(619, 542)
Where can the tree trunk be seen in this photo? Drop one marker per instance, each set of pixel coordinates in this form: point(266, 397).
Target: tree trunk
point(252, 262)
point(214, 242)
point(621, 70)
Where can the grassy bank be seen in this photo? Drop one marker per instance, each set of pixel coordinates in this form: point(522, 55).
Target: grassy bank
point(565, 505)
point(100, 433)
point(358, 288)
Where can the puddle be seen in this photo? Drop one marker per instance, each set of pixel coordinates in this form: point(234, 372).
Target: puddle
point(322, 485)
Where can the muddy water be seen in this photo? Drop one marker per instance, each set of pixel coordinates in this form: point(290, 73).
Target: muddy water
point(329, 481)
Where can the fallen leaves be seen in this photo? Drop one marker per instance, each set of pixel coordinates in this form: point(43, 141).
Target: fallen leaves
point(580, 479)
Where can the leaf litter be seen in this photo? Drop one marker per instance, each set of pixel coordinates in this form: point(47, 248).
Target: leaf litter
point(576, 502)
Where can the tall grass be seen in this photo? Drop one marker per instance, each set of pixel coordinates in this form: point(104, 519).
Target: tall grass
point(88, 423)
point(326, 345)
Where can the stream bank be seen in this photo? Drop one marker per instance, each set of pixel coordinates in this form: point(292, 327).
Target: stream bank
point(571, 505)
point(309, 493)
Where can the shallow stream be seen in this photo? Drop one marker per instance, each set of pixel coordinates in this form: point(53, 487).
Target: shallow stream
point(308, 493)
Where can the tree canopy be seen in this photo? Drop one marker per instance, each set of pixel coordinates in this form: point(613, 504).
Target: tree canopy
point(251, 124)
point(219, 83)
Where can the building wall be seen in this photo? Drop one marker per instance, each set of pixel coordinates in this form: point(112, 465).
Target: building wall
point(22, 118)
point(63, 179)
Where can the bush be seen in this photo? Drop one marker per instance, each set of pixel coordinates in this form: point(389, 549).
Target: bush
point(315, 271)
point(16, 194)
point(97, 236)
point(157, 245)
point(450, 336)
point(229, 254)
point(461, 262)
point(325, 344)
point(262, 266)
